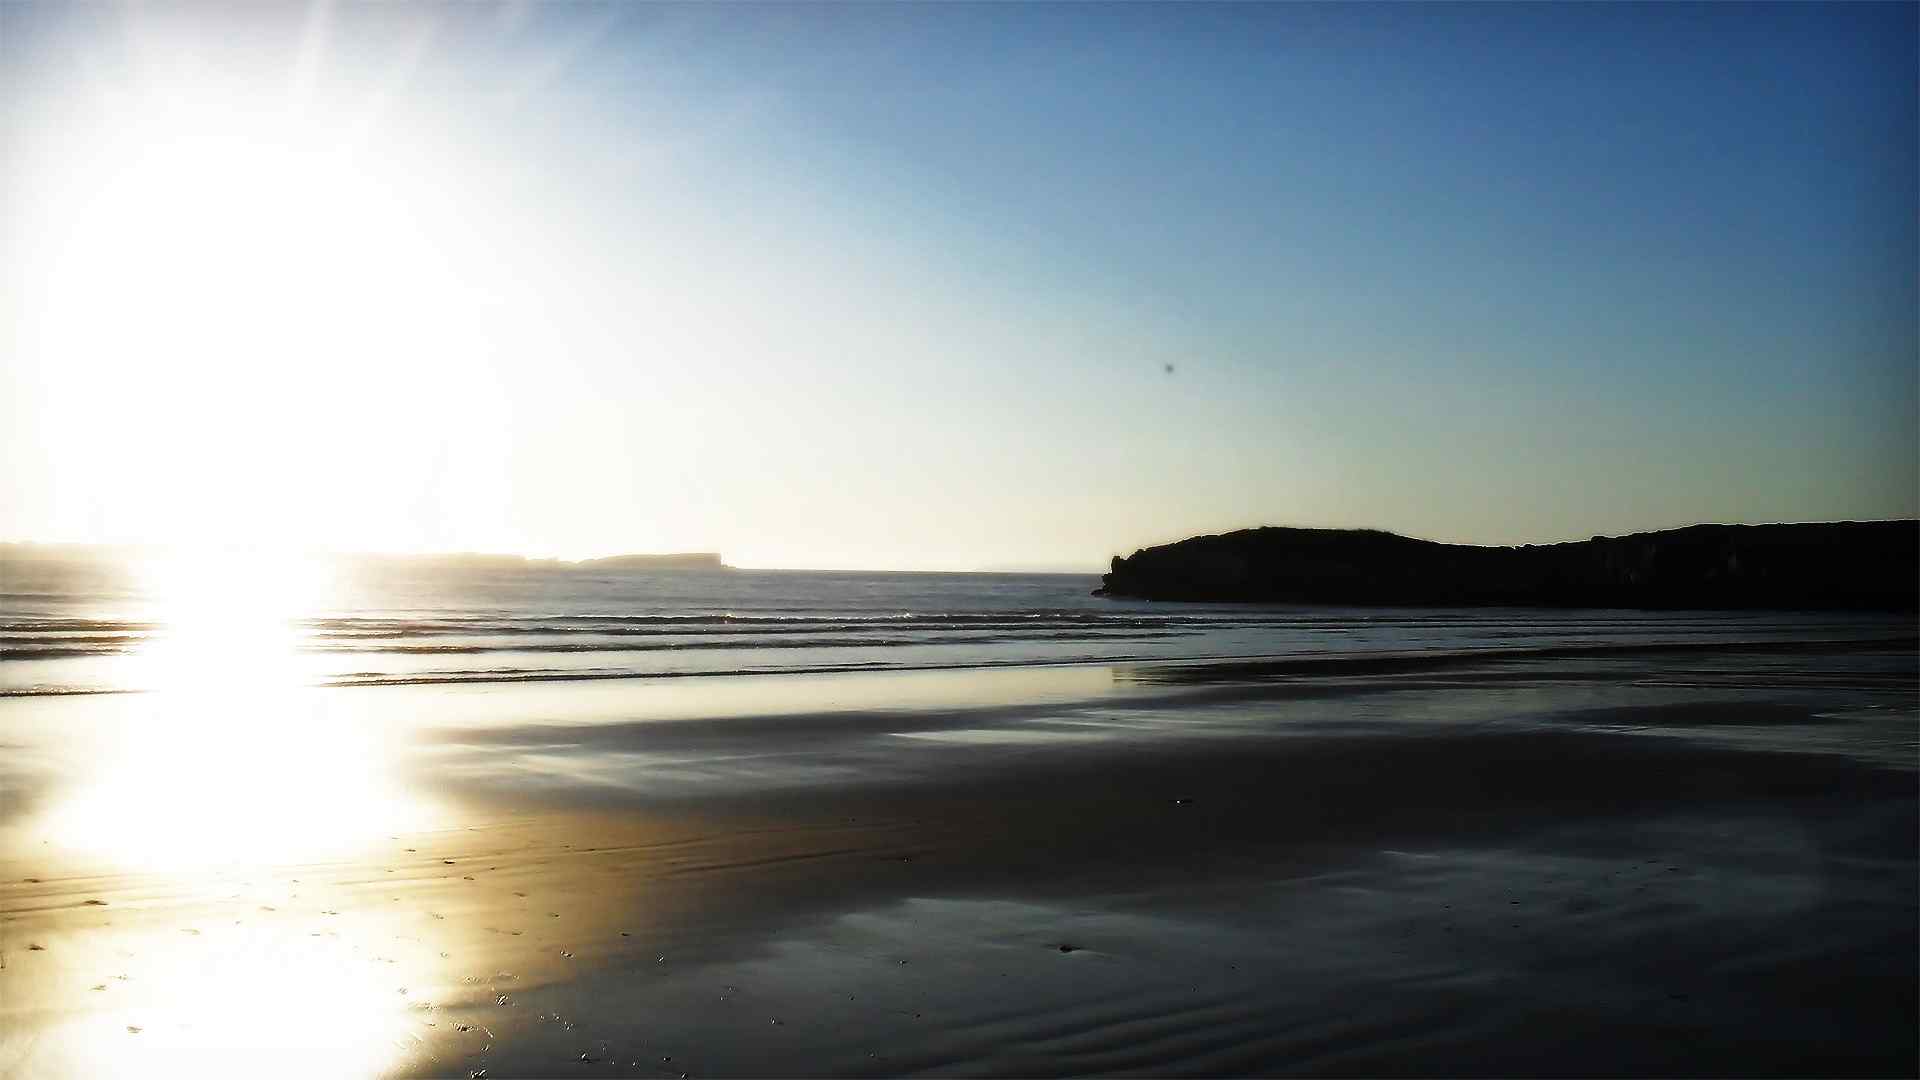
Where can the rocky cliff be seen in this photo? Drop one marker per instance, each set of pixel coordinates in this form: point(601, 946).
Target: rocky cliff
point(1838, 565)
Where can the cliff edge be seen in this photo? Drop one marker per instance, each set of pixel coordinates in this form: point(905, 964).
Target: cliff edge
point(1867, 566)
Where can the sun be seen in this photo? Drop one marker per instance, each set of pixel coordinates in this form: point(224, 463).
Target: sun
point(253, 311)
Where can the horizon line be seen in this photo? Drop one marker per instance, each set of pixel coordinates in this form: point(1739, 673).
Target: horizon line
point(1037, 567)
point(294, 550)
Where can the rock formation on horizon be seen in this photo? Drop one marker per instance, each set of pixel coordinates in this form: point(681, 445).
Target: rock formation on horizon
point(1833, 566)
point(689, 560)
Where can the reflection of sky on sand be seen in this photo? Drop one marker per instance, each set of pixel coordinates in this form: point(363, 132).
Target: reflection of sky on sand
point(661, 700)
point(1461, 948)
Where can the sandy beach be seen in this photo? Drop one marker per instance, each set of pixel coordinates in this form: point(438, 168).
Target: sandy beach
point(1693, 862)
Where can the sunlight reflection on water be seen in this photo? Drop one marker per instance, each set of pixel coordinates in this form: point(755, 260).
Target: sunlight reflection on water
point(232, 759)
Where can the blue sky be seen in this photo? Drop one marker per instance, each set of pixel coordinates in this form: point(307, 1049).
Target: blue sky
point(897, 286)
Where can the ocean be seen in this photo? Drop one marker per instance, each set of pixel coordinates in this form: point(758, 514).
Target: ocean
point(68, 628)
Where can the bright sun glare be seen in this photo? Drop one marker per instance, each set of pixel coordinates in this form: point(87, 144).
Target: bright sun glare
point(244, 334)
point(233, 758)
point(265, 1002)
point(250, 311)
point(231, 763)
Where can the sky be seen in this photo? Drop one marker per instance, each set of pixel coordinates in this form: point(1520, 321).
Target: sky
point(894, 286)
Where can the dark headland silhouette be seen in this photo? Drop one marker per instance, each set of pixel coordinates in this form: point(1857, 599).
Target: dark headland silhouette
point(1843, 565)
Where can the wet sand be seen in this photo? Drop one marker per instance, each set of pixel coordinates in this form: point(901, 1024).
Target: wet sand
point(1698, 863)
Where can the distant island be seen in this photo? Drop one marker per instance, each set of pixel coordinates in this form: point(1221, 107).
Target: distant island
point(688, 560)
point(692, 560)
point(16, 554)
point(1865, 566)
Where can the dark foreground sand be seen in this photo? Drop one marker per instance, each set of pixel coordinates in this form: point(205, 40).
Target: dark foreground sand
point(1666, 863)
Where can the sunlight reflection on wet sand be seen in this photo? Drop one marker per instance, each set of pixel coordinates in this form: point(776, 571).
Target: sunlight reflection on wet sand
point(229, 1001)
point(231, 765)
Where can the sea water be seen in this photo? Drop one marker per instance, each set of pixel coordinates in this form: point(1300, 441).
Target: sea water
point(82, 628)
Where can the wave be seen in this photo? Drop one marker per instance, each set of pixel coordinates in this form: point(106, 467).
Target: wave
point(683, 638)
point(324, 633)
point(795, 642)
point(54, 648)
point(1240, 668)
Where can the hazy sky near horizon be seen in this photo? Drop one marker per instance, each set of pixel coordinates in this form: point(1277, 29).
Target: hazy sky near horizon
point(899, 286)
